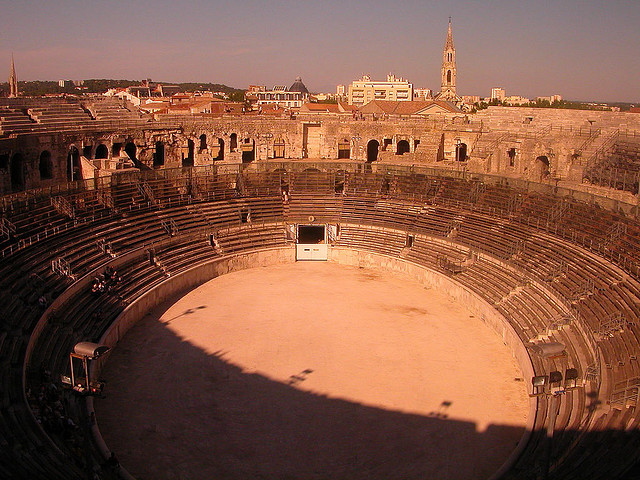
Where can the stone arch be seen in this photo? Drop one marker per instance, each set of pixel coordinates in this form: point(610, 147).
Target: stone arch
point(220, 155)
point(344, 148)
point(402, 147)
point(278, 148)
point(102, 151)
point(16, 167)
point(248, 150)
point(74, 169)
point(45, 165)
point(130, 149)
point(188, 160)
point(158, 155)
point(461, 151)
point(542, 166)
point(372, 150)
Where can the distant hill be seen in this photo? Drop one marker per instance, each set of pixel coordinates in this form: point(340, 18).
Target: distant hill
point(50, 87)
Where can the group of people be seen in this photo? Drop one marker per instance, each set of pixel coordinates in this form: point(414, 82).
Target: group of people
point(106, 281)
point(51, 407)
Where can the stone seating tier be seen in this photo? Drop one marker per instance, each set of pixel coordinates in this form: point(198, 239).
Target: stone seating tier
point(371, 219)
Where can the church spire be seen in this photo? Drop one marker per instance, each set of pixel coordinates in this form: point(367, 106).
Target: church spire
point(13, 80)
point(449, 71)
point(448, 45)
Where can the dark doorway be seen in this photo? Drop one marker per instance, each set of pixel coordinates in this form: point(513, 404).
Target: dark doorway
point(158, 155)
point(102, 151)
point(17, 172)
point(220, 155)
point(248, 150)
point(402, 147)
point(74, 171)
point(203, 143)
point(115, 149)
point(130, 149)
point(46, 165)
point(233, 142)
point(461, 152)
point(512, 156)
point(86, 151)
point(188, 160)
point(372, 150)
point(344, 150)
point(311, 234)
point(385, 143)
point(542, 166)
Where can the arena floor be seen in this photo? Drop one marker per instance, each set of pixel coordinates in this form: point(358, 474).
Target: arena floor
point(312, 370)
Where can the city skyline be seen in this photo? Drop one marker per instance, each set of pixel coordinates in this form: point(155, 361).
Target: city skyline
point(583, 50)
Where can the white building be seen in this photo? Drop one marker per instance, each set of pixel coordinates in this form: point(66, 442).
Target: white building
point(498, 93)
point(365, 90)
point(293, 97)
point(422, 93)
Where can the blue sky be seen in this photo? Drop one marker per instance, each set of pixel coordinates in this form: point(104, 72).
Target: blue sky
point(583, 50)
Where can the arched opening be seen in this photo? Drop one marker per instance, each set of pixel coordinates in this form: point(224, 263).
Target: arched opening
point(449, 77)
point(278, 148)
point(220, 155)
point(17, 172)
point(86, 151)
point(115, 149)
point(542, 166)
point(402, 147)
point(130, 150)
point(461, 152)
point(158, 155)
point(188, 160)
point(372, 150)
point(248, 150)
point(203, 143)
point(102, 151)
point(233, 142)
point(46, 165)
point(74, 171)
point(344, 148)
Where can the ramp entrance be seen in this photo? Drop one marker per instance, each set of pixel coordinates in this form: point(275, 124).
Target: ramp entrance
point(311, 242)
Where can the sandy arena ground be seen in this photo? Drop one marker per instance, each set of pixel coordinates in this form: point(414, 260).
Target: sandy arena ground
point(312, 371)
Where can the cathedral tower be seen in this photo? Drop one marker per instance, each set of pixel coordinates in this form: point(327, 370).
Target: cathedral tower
point(448, 84)
point(13, 81)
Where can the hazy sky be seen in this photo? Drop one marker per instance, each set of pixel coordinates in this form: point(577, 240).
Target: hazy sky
point(581, 49)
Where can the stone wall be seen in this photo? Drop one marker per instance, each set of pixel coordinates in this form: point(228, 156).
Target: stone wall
point(509, 141)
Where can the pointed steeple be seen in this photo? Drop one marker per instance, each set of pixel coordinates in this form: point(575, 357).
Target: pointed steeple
point(13, 80)
point(448, 45)
point(449, 70)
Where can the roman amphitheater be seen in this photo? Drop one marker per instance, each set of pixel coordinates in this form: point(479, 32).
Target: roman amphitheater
point(453, 296)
